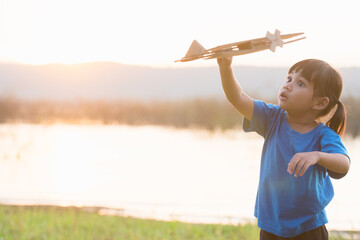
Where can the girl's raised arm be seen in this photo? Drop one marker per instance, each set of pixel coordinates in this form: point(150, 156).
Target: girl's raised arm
point(240, 100)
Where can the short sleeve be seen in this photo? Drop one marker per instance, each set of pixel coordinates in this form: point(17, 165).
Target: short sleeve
point(263, 115)
point(330, 142)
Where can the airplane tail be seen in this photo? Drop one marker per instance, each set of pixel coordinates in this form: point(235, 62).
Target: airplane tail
point(195, 49)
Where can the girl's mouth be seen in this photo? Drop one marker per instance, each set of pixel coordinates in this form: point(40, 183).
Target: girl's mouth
point(283, 96)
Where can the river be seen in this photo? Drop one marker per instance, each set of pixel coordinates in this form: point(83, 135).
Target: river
point(152, 172)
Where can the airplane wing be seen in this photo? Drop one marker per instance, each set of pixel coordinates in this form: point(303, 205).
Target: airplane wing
point(271, 41)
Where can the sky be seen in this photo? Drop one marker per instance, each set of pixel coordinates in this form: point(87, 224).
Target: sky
point(157, 32)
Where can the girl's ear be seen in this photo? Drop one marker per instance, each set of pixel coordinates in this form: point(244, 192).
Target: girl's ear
point(321, 103)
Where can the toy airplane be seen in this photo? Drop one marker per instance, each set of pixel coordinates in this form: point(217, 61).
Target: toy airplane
point(271, 41)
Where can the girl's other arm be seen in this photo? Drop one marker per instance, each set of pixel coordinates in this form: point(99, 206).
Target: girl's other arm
point(242, 102)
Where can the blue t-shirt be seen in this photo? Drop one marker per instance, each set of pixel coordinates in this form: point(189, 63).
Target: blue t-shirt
point(287, 206)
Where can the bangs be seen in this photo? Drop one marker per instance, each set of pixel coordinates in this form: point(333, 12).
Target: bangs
point(317, 72)
point(310, 68)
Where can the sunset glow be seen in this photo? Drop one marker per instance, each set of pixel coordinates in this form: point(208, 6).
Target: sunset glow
point(159, 32)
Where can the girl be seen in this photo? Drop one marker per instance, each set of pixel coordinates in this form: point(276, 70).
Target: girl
point(299, 153)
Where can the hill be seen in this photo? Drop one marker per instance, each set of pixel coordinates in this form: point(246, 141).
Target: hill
point(114, 81)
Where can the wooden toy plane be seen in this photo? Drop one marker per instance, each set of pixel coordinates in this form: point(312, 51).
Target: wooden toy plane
point(271, 41)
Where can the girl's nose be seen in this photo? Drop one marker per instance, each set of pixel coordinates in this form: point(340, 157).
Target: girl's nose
point(287, 86)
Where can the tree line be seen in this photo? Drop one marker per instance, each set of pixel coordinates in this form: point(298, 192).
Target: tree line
point(209, 113)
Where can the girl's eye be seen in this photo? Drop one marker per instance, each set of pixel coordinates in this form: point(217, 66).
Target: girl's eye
point(301, 84)
point(288, 79)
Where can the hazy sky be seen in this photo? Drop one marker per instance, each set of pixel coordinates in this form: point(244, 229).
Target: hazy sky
point(157, 32)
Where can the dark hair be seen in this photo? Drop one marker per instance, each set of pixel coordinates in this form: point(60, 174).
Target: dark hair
point(327, 83)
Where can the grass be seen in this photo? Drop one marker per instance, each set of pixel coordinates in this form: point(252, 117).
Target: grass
point(52, 222)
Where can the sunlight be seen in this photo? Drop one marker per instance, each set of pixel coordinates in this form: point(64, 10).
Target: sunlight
point(158, 32)
point(70, 32)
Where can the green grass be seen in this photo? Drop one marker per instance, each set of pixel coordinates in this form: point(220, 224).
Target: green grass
point(51, 222)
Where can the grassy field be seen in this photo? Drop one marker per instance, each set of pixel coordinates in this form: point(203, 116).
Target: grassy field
point(51, 222)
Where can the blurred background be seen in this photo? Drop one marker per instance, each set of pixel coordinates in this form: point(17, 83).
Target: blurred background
point(94, 111)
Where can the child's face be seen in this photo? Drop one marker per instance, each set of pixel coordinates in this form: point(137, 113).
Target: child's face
point(296, 94)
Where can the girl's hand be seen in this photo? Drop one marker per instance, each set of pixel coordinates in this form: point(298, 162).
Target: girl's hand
point(224, 62)
point(302, 161)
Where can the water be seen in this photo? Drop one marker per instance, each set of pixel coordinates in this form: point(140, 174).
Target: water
point(151, 172)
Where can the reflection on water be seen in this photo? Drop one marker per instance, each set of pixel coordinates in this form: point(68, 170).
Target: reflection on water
point(153, 172)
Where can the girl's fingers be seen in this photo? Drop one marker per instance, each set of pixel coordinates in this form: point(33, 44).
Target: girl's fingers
point(303, 170)
point(301, 162)
point(299, 167)
point(292, 164)
point(296, 165)
point(224, 61)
